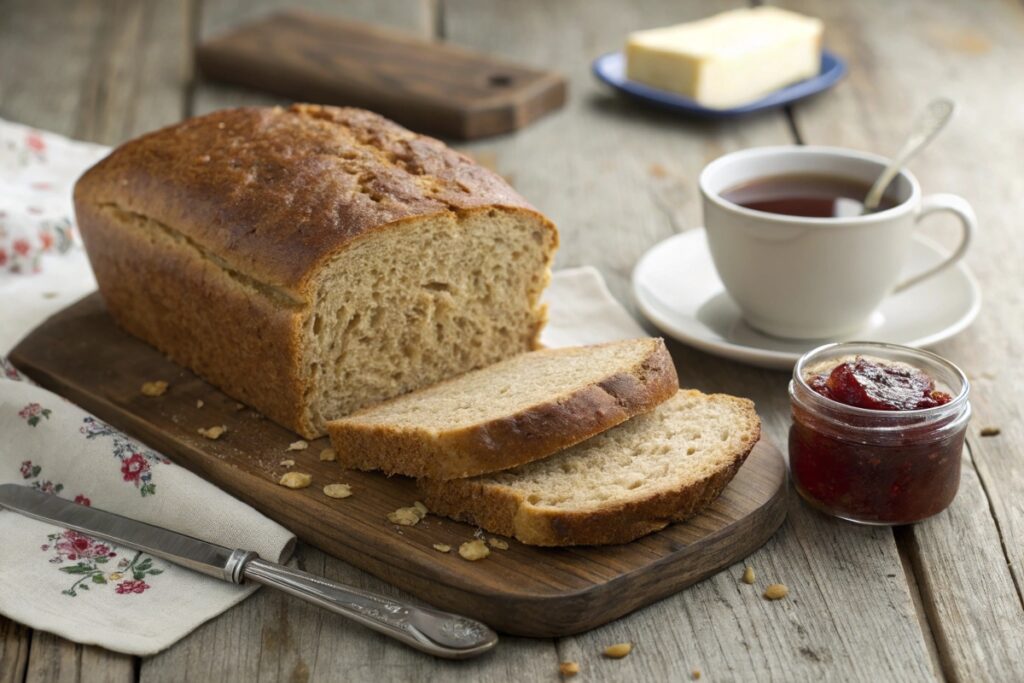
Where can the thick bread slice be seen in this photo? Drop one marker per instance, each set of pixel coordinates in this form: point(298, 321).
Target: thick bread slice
point(657, 468)
point(516, 411)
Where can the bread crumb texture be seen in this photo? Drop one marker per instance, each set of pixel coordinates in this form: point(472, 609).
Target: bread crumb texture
point(328, 455)
point(287, 463)
point(409, 516)
point(299, 445)
point(618, 650)
point(442, 547)
point(199, 403)
point(497, 543)
point(337, 490)
point(213, 433)
point(156, 388)
point(474, 550)
point(295, 480)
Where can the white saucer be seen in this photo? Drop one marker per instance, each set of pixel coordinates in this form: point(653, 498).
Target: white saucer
point(677, 288)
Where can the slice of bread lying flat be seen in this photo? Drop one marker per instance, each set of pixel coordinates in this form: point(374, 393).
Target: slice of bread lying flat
point(516, 411)
point(657, 468)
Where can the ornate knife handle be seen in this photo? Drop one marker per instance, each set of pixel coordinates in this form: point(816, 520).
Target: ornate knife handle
point(435, 632)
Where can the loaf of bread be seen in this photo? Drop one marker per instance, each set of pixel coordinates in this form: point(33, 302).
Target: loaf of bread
point(660, 467)
point(310, 261)
point(513, 412)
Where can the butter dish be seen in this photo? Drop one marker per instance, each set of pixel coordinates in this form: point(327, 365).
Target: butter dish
point(610, 68)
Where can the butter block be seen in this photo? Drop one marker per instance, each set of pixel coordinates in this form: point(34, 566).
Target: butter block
point(730, 59)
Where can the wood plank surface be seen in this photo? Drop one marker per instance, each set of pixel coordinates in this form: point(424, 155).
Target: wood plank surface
point(56, 660)
point(617, 177)
point(523, 590)
point(970, 560)
point(273, 637)
point(14, 644)
point(95, 69)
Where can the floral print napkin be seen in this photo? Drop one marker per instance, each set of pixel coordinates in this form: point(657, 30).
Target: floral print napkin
point(37, 172)
point(94, 592)
point(43, 266)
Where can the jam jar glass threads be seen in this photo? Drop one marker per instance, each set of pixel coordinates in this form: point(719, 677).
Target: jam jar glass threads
point(885, 464)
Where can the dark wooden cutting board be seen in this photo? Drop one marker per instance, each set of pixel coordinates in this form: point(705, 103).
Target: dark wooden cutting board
point(80, 354)
point(430, 87)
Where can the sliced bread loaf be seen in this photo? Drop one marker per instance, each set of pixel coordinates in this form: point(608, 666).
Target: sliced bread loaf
point(516, 411)
point(311, 261)
point(657, 468)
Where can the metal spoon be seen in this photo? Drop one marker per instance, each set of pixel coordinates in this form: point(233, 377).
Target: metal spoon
point(934, 119)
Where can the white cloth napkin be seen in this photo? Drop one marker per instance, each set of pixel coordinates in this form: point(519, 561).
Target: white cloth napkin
point(90, 592)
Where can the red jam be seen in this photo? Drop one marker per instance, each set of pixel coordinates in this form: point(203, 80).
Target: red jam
point(883, 465)
point(864, 383)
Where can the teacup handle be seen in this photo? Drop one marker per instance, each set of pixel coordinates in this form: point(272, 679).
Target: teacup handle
point(968, 221)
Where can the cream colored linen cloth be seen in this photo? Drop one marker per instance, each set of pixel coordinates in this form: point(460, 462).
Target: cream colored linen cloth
point(91, 592)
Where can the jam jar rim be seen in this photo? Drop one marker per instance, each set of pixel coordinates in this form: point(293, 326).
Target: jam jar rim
point(956, 404)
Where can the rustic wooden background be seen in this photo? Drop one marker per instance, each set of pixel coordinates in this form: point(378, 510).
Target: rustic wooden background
point(941, 600)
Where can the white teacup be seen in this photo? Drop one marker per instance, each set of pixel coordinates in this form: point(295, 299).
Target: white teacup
point(804, 278)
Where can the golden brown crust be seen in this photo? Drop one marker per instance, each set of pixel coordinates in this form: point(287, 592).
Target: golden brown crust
point(217, 329)
point(206, 237)
point(276, 192)
point(502, 510)
point(533, 433)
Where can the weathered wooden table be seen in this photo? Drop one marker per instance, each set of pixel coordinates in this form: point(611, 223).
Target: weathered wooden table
point(940, 600)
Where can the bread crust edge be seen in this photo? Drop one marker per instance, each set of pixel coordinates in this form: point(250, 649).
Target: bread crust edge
point(530, 434)
point(504, 511)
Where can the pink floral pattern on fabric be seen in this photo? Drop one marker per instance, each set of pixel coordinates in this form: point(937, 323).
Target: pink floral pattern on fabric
point(37, 170)
point(136, 460)
point(85, 557)
point(33, 413)
point(127, 587)
point(8, 371)
point(90, 561)
point(31, 471)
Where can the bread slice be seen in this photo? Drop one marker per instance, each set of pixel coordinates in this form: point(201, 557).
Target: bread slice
point(657, 468)
point(516, 411)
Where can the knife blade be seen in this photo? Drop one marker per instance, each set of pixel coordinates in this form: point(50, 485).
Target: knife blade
point(430, 630)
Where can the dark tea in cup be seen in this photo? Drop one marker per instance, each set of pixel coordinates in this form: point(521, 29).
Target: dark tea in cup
point(807, 195)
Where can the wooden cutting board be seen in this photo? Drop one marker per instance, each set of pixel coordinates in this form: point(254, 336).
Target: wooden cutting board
point(430, 87)
point(80, 354)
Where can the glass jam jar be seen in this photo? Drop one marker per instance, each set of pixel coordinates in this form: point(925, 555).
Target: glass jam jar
point(875, 466)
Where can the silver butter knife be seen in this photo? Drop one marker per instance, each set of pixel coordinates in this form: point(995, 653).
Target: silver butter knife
point(438, 633)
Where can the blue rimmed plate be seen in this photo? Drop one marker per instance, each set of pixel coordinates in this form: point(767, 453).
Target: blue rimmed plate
point(611, 69)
